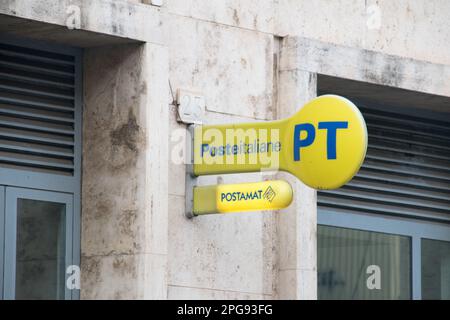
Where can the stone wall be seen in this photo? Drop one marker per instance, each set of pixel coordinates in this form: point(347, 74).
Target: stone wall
point(125, 180)
point(253, 60)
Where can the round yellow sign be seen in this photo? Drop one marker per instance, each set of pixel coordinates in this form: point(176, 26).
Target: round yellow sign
point(323, 144)
point(329, 142)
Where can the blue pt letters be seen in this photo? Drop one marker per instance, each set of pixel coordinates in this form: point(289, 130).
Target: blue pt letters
point(298, 143)
point(330, 126)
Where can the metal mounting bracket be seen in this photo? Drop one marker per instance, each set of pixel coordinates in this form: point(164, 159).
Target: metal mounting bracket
point(190, 178)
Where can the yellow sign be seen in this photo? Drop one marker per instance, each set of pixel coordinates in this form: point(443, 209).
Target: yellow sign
point(223, 198)
point(323, 144)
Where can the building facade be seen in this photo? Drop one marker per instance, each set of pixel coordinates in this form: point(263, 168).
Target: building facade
point(92, 155)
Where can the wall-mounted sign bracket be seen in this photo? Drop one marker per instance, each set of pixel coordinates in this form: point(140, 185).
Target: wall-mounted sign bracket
point(190, 178)
point(324, 145)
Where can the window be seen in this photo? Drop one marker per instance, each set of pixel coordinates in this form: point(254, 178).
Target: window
point(394, 245)
point(41, 238)
point(40, 168)
point(356, 264)
point(394, 215)
point(435, 269)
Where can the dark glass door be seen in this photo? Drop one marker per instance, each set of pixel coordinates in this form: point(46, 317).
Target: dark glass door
point(38, 244)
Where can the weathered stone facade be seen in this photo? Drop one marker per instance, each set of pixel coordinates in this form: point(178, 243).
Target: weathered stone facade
point(252, 60)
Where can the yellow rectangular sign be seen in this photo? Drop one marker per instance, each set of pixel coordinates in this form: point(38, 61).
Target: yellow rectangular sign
point(243, 147)
point(224, 198)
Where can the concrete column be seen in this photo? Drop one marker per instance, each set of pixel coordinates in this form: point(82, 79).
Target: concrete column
point(125, 173)
point(297, 225)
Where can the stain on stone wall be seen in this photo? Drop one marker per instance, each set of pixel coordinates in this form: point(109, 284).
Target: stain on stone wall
point(127, 134)
point(114, 144)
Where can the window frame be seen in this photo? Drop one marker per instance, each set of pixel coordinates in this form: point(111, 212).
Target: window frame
point(12, 195)
point(415, 229)
point(47, 181)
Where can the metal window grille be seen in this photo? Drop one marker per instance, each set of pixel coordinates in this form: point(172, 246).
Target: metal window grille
point(406, 171)
point(37, 110)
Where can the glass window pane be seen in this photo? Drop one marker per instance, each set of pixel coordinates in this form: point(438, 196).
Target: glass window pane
point(40, 265)
point(355, 264)
point(435, 269)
